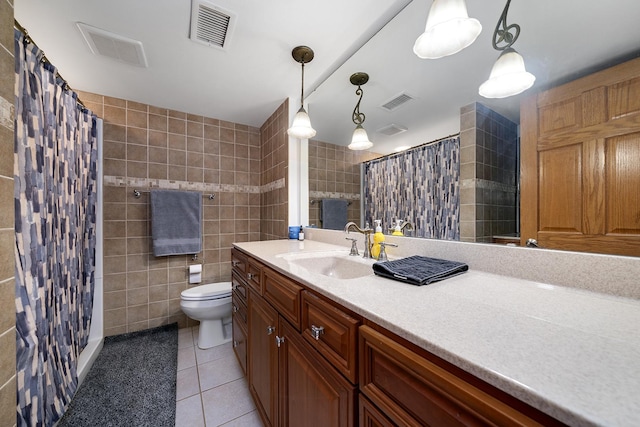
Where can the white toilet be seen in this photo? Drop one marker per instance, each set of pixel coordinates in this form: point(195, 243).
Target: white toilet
point(211, 305)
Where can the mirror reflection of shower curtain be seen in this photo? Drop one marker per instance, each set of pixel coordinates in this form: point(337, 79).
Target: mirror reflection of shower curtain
point(55, 155)
point(420, 185)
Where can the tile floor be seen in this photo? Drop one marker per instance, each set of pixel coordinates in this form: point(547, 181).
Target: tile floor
point(211, 388)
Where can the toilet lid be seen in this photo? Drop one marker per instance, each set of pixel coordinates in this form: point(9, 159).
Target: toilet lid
point(207, 292)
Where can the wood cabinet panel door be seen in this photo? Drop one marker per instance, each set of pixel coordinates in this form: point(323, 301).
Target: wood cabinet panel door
point(580, 168)
point(312, 392)
point(262, 360)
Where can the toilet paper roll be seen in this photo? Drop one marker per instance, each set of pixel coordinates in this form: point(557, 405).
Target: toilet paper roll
point(195, 273)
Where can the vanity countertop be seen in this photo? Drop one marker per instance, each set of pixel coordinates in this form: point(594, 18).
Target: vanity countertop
point(572, 353)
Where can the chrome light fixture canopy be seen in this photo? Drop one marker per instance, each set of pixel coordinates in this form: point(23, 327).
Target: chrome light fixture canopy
point(508, 75)
point(301, 126)
point(448, 30)
point(360, 139)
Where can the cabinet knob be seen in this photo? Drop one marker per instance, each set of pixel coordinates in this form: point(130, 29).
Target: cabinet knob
point(250, 276)
point(235, 263)
point(270, 330)
point(316, 331)
point(235, 343)
point(279, 340)
point(235, 309)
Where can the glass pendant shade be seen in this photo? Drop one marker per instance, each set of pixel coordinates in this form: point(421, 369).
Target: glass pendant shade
point(301, 126)
point(449, 30)
point(508, 76)
point(360, 139)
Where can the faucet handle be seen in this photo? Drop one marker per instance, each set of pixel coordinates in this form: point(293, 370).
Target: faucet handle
point(383, 253)
point(354, 247)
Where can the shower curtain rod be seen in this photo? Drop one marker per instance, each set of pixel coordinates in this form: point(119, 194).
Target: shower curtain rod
point(28, 38)
point(435, 141)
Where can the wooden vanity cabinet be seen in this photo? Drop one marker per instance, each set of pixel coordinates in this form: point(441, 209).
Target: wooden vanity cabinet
point(239, 314)
point(418, 389)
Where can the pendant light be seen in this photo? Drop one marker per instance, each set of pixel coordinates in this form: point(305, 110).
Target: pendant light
point(360, 139)
point(508, 76)
point(449, 30)
point(301, 126)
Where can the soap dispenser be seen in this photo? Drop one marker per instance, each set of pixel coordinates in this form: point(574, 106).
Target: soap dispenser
point(377, 238)
point(397, 231)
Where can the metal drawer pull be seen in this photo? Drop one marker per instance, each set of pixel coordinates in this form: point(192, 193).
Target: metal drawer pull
point(279, 340)
point(235, 263)
point(316, 331)
point(270, 330)
point(235, 343)
point(235, 309)
point(250, 276)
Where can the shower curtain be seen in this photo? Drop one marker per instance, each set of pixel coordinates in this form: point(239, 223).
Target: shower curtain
point(421, 185)
point(55, 156)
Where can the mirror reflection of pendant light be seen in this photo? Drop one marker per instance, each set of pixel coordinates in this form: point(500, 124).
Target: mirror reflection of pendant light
point(360, 139)
point(301, 126)
point(449, 30)
point(508, 76)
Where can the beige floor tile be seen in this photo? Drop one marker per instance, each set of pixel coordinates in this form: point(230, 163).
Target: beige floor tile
point(186, 358)
point(185, 338)
point(218, 372)
point(189, 412)
point(227, 402)
point(252, 419)
point(187, 383)
point(213, 353)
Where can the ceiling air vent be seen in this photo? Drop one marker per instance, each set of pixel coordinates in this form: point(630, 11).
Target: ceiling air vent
point(113, 46)
point(210, 24)
point(392, 129)
point(396, 102)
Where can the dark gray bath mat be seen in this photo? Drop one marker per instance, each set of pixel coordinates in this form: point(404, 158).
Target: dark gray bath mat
point(131, 383)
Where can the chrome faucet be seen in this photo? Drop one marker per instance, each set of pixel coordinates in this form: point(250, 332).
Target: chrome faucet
point(405, 225)
point(367, 236)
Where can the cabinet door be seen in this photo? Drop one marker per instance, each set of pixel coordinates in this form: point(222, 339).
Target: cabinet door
point(263, 358)
point(312, 392)
point(240, 343)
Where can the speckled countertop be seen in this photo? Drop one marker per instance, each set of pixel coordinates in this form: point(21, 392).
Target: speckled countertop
point(571, 353)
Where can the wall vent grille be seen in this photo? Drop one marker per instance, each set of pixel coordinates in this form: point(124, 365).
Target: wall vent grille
point(396, 102)
point(211, 25)
point(392, 129)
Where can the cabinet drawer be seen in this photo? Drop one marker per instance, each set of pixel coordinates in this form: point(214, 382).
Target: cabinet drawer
point(239, 309)
point(283, 294)
point(414, 391)
point(254, 275)
point(239, 287)
point(238, 262)
point(332, 332)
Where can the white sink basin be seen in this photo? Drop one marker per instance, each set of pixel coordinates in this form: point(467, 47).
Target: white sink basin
point(338, 265)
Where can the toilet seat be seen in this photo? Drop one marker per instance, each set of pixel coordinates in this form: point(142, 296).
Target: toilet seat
point(211, 291)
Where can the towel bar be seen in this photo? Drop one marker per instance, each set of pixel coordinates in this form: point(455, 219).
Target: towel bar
point(138, 193)
point(320, 201)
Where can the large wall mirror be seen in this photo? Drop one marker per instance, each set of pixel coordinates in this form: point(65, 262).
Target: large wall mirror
point(410, 101)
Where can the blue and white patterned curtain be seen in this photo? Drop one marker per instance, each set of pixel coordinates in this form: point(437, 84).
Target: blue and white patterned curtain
point(421, 185)
point(55, 155)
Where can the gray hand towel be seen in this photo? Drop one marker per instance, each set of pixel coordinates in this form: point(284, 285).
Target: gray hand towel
point(333, 214)
point(176, 222)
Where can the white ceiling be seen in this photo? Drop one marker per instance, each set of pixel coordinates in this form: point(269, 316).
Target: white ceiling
point(559, 40)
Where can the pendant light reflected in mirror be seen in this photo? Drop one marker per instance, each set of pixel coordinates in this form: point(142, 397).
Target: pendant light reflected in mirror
point(448, 30)
point(360, 139)
point(301, 126)
point(508, 76)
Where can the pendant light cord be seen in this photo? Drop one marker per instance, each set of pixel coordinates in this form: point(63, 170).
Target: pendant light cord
point(502, 33)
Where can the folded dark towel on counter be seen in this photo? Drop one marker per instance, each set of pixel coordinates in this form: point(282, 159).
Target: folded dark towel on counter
point(419, 270)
